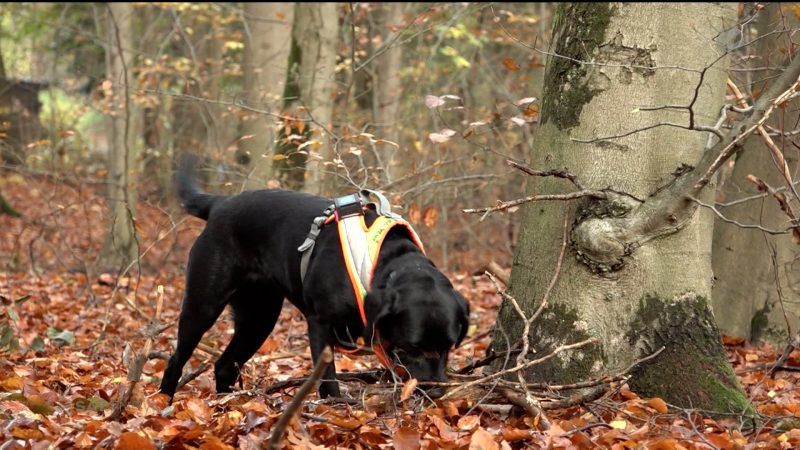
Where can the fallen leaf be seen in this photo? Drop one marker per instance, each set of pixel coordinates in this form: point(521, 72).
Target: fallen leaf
point(134, 441)
point(408, 389)
point(482, 440)
point(406, 439)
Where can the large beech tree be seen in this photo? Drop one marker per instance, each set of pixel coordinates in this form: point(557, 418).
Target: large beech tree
point(631, 93)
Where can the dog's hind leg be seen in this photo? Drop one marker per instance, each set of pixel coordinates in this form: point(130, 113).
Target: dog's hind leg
point(207, 293)
point(193, 323)
point(255, 311)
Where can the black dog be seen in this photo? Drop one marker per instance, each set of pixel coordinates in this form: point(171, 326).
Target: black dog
point(247, 257)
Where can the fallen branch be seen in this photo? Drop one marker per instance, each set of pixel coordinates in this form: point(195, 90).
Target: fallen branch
point(369, 376)
point(523, 401)
point(795, 343)
point(527, 365)
point(136, 367)
point(575, 400)
point(280, 428)
point(193, 374)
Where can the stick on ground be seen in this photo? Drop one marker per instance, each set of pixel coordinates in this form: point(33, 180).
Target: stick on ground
point(280, 428)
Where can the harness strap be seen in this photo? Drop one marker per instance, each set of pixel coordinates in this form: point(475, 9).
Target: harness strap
point(307, 247)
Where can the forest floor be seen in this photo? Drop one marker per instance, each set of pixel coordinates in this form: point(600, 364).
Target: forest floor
point(69, 341)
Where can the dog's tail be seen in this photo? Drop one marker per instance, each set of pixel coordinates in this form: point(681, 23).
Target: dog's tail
point(193, 199)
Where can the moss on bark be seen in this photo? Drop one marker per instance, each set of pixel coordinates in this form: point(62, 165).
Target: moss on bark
point(566, 89)
point(559, 324)
point(692, 371)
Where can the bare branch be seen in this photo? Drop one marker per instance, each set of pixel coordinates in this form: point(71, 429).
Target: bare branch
point(527, 365)
point(780, 90)
point(726, 219)
point(535, 198)
point(280, 428)
point(559, 173)
point(782, 202)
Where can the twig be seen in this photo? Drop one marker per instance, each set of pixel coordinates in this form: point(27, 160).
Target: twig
point(535, 198)
point(192, 375)
point(795, 343)
point(725, 219)
point(137, 365)
point(482, 362)
point(559, 173)
point(782, 202)
point(770, 100)
point(280, 428)
point(559, 349)
point(369, 376)
point(777, 154)
point(579, 399)
point(524, 402)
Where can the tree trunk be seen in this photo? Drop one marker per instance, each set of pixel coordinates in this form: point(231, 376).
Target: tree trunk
point(267, 42)
point(121, 244)
point(387, 85)
point(750, 298)
point(638, 271)
point(312, 73)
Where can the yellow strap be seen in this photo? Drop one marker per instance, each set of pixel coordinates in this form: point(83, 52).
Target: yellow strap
point(375, 235)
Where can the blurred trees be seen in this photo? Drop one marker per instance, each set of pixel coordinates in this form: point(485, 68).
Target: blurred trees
point(267, 42)
point(121, 246)
point(755, 268)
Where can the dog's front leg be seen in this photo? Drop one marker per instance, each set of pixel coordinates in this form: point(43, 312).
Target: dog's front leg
point(318, 334)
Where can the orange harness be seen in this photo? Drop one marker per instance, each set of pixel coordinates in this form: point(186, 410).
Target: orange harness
point(360, 262)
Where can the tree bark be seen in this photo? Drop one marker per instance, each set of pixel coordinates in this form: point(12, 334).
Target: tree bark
point(312, 76)
point(752, 292)
point(638, 276)
point(121, 244)
point(387, 84)
point(267, 43)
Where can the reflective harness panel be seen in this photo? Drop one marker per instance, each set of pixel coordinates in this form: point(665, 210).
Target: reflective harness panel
point(361, 246)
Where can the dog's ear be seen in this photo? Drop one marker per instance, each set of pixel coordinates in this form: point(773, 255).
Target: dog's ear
point(463, 317)
point(378, 305)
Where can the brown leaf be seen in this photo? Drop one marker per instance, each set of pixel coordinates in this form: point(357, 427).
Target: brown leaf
point(214, 443)
point(657, 404)
point(468, 423)
point(482, 440)
point(408, 389)
point(510, 64)
point(406, 439)
point(134, 441)
point(414, 213)
point(430, 217)
point(445, 431)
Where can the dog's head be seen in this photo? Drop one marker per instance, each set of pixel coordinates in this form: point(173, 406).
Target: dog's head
point(418, 318)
